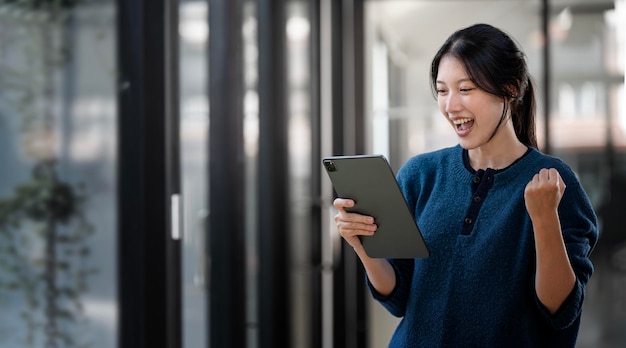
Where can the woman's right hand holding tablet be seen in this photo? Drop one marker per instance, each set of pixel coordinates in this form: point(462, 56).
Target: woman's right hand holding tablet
point(352, 225)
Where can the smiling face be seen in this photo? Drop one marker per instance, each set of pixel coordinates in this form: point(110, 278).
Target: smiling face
point(473, 113)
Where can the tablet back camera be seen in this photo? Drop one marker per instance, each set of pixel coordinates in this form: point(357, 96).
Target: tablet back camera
point(330, 166)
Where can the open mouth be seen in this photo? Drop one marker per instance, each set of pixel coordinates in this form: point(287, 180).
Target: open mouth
point(463, 124)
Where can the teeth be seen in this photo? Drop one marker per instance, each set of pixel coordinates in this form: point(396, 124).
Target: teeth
point(462, 120)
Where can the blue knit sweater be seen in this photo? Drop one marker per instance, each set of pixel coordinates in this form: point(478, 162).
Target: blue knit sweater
point(477, 287)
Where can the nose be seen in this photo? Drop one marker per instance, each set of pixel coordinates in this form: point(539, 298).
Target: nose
point(451, 103)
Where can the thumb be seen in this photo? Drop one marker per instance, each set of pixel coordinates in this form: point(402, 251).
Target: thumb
point(559, 181)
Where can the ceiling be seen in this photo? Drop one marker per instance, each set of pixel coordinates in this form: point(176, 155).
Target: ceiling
point(414, 30)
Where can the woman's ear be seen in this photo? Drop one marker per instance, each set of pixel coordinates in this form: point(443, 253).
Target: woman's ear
point(512, 91)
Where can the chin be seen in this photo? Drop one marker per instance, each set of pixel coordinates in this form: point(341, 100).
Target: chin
point(467, 145)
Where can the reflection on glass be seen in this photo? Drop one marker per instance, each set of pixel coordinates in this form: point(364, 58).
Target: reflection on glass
point(299, 147)
point(194, 126)
point(57, 187)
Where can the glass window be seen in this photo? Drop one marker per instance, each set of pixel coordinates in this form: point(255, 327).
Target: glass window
point(58, 279)
point(300, 147)
point(194, 126)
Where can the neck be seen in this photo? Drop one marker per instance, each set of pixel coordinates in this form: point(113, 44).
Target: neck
point(498, 153)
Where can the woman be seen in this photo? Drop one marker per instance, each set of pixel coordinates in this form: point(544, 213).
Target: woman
point(509, 229)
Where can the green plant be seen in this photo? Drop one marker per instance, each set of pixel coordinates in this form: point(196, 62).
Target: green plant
point(43, 228)
point(51, 275)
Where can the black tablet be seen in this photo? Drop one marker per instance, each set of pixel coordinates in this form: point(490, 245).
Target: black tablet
point(371, 183)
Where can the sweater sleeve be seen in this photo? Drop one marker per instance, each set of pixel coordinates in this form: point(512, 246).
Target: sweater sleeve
point(396, 302)
point(580, 234)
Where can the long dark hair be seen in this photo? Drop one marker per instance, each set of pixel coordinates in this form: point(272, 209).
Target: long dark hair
point(495, 63)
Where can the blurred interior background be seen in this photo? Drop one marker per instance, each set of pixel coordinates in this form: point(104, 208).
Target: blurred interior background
point(161, 181)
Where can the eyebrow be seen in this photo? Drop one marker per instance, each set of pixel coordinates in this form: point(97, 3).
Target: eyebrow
point(458, 81)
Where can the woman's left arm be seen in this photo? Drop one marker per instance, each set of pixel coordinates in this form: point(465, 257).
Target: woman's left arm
point(555, 278)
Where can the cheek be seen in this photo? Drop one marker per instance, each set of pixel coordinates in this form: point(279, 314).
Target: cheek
point(497, 110)
point(491, 112)
point(441, 103)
